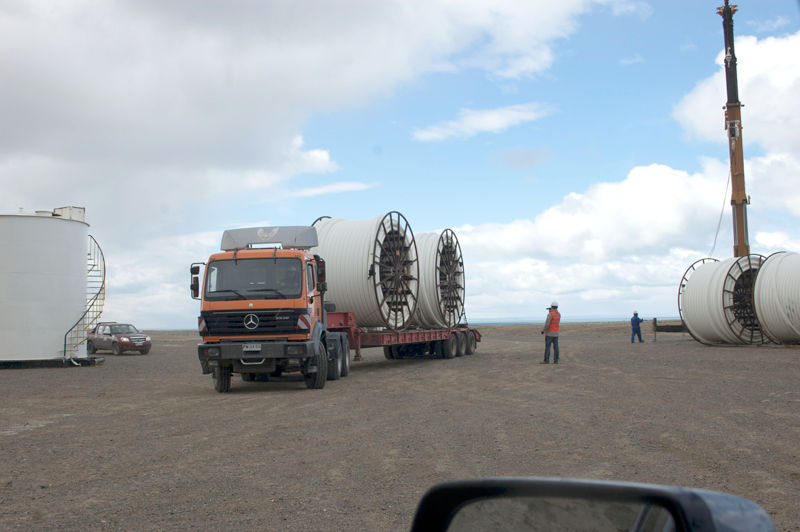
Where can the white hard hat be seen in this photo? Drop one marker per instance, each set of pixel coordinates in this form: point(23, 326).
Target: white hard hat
point(554, 304)
point(636, 312)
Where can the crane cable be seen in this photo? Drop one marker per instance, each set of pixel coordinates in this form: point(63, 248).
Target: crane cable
point(721, 212)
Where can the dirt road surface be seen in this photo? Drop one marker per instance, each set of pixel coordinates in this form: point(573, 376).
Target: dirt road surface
point(143, 442)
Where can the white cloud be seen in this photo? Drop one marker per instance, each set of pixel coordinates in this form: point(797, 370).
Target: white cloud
point(471, 122)
point(632, 60)
point(769, 80)
point(333, 188)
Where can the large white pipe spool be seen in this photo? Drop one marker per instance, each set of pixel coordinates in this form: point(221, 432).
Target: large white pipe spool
point(42, 283)
point(715, 301)
point(777, 297)
point(441, 280)
point(372, 268)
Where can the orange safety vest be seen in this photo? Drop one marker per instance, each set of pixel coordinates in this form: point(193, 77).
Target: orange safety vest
point(555, 319)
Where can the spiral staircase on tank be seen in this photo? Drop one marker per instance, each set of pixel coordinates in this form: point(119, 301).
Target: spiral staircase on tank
point(95, 298)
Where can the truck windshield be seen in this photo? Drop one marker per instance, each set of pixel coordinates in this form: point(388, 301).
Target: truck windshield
point(263, 278)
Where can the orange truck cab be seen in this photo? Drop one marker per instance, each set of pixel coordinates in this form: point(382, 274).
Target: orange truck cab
point(262, 310)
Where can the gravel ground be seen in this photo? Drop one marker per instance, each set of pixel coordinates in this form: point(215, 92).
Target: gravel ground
point(143, 442)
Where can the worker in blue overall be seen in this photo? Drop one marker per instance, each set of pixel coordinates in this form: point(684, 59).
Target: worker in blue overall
point(636, 330)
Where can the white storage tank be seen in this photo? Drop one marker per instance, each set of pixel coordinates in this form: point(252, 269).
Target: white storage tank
point(42, 281)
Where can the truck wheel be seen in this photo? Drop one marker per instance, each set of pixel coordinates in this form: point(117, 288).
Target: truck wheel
point(345, 356)
point(316, 380)
point(335, 366)
point(222, 379)
point(387, 352)
point(450, 346)
point(115, 348)
point(472, 343)
point(461, 344)
point(90, 348)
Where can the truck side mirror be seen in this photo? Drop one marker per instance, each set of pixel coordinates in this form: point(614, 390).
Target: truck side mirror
point(195, 286)
point(322, 285)
point(195, 269)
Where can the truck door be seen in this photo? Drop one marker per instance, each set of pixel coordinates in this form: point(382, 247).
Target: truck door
point(315, 305)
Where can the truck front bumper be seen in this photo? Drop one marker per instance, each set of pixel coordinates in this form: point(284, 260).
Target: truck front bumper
point(255, 355)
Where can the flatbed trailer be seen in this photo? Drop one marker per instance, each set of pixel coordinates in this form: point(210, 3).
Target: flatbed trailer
point(444, 343)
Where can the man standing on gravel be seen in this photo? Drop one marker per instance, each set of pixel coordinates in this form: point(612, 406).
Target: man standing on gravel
point(550, 330)
point(636, 330)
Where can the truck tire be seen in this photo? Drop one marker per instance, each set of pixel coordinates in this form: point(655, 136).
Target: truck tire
point(90, 348)
point(316, 380)
point(387, 352)
point(345, 356)
point(450, 346)
point(115, 348)
point(461, 344)
point(472, 343)
point(222, 379)
point(335, 368)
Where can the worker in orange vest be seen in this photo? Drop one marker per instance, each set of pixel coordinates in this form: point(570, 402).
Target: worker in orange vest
point(550, 331)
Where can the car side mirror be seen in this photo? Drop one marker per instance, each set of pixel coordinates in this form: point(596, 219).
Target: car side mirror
point(565, 504)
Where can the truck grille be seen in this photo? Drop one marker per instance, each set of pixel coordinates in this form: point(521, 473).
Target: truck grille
point(266, 322)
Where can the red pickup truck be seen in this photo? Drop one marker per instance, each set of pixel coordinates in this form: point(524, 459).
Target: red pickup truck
point(118, 337)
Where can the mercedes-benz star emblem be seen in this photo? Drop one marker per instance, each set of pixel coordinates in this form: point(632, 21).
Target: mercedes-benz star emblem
point(251, 321)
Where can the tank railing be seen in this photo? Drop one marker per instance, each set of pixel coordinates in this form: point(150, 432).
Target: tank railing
point(95, 298)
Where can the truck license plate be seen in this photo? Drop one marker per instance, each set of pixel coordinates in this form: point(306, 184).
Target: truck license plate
point(251, 348)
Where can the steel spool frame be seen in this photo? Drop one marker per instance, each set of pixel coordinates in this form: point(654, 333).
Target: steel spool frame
point(450, 273)
point(736, 299)
point(395, 270)
point(682, 288)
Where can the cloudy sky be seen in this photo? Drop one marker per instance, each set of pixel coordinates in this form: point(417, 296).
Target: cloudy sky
point(575, 147)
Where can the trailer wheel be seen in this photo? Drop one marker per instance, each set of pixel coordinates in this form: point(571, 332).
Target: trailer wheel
point(335, 369)
point(387, 352)
point(472, 343)
point(450, 346)
point(222, 379)
point(316, 380)
point(345, 356)
point(461, 344)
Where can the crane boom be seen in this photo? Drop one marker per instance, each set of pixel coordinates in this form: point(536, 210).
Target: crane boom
point(733, 125)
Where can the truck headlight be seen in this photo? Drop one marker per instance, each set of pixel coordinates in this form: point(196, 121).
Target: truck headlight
point(296, 350)
point(213, 351)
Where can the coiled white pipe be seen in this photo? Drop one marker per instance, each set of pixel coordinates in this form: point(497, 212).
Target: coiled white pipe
point(372, 268)
point(441, 280)
point(716, 301)
point(777, 297)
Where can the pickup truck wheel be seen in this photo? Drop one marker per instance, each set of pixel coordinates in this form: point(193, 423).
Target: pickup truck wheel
point(316, 380)
point(450, 346)
point(115, 348)
point(335, 369)
point(345, 356)
point(222, 379)
point(461, 344)
point(90, 348)
point(472, 343)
